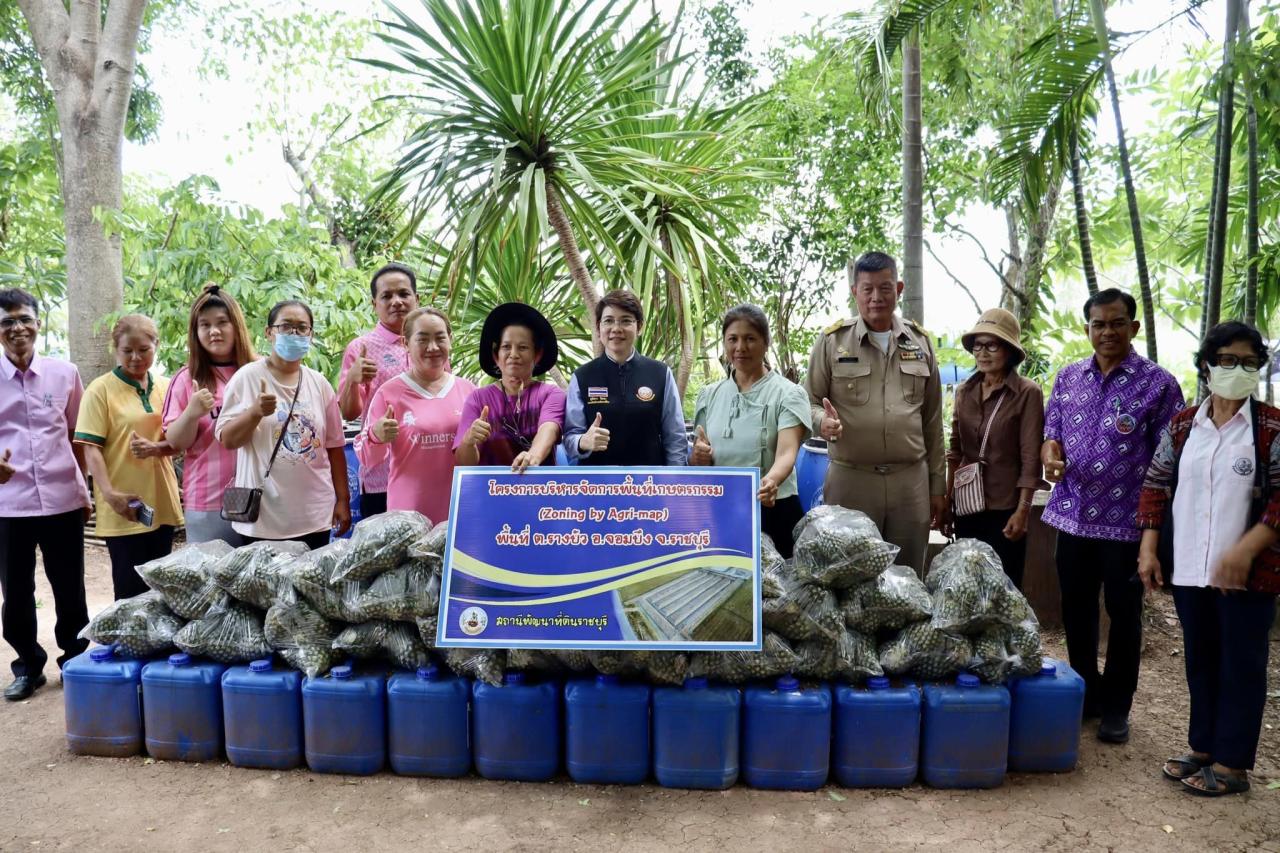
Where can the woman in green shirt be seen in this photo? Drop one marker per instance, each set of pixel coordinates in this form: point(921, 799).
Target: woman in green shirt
point(755, 419)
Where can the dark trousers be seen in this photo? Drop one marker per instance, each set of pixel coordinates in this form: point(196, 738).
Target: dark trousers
point(1226, 638)
point(372, 503)
point(134, 550)
point(61, 542)
point(1086, 566)
point(988, 527)
point(779, 520)
point(312, 540)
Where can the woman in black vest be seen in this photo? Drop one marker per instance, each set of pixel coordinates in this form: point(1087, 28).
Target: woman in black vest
point(623, 408)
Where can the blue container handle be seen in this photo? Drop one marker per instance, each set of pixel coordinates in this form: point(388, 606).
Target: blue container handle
point(180, 659)
point(877, 682)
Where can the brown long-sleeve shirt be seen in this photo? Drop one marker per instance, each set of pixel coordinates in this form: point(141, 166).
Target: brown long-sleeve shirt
point(1013, 450)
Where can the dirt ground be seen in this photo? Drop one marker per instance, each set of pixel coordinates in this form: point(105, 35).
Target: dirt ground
point(1115, 800)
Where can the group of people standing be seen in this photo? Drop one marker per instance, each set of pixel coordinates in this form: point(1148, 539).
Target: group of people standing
point(872, 391)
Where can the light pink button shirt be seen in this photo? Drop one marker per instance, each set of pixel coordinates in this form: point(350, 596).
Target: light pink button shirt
point(38, 409)
point(386, 349)
point(1215, 487)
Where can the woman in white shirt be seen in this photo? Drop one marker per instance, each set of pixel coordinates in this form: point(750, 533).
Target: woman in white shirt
point(305, 496)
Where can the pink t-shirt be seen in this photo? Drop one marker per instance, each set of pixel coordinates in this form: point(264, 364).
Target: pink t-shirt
point(512, 430)
point(388, 351)
point(421, 456)
point(207, 467)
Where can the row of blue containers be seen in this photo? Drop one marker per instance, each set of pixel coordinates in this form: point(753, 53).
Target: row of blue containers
point(700, 735)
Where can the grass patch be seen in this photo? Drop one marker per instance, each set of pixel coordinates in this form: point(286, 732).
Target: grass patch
point(731, 621)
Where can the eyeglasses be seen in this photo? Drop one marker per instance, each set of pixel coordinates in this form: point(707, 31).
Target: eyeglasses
point(1251, 364)
point(621, 322)
point(992, 347)
point(292, 329)
point(26, 321)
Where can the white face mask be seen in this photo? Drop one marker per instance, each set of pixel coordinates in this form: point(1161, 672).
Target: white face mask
point(1232, 383)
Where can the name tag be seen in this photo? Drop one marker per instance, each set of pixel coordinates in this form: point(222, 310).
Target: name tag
point(597, 395)
point(847, 359)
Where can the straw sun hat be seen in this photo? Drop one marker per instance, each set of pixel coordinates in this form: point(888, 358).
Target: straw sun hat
point(998, 323)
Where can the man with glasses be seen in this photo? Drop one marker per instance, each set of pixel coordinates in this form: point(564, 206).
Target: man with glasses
point(623, 408)
point(1102, 425)
point(43, 500)
point(876, 397)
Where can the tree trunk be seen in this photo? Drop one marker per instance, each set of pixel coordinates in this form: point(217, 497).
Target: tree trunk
point(1251, 136)
point(1082, 217)
point(912, 183)
point(1033, 260)
point(559, 222)
point(675, 292)
point(346, 247)
point(1135, 219)
point(1222, 171)
point(89, 60)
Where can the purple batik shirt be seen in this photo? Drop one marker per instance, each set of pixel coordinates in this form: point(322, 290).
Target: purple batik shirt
point(1108, 427)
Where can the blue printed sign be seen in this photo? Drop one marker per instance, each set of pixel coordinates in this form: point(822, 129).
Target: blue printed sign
point(588, 558)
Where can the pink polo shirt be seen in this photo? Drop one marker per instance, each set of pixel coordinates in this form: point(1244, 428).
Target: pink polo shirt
point(422, 454)
point(388, 351)
point(207, 467)
point(38, 411)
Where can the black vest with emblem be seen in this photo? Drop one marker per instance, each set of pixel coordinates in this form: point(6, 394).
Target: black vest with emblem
point(630, 396)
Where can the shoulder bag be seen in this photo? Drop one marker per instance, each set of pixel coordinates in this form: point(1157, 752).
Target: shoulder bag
point(967, 495)
point(241, 503)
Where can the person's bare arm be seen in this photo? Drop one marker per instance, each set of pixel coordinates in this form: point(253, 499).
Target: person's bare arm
point(118, 501)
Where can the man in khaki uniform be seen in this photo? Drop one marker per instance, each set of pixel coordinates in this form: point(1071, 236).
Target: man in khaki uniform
point(876, 398)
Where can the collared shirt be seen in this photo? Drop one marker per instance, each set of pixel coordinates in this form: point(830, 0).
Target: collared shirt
point(38, 410)
point(1215, 493)
point(1109, 428)
point(1013, 449)
point(889, 403)
point(674, 441)
point(387, 350)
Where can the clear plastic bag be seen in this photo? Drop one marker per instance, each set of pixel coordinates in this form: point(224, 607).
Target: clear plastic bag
point(970, 589)
point(310, 574)
point(804, 611)
point(184, 577)
point(771, 563)
point(667, 667)
point(895, 598)
point(379, 544)
point(1023, 640)
point(775, 658)
point(229, 633)
point(487, 665)
point(575, 660)
point(301, 635)
point(839, 548)
point(533, 660)
point(137, 627)
point(922, 650)
point(253, 573)
point(405, 594)
point(850, 657)
point(427, 626)
point(429, 546)
point(398, 642)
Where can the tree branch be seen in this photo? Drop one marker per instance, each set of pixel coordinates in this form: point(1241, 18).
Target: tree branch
point(85, 31)
point(49, 24)
point(981, 248)
point(1192, 332)
point(113, 77)
point(977, 306)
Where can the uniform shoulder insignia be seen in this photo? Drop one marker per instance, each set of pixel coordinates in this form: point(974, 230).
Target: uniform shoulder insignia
point(837, 325)
point(917, 328)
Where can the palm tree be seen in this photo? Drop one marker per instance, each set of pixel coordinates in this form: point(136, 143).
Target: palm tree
point(1251, 202)
point(1216, 249)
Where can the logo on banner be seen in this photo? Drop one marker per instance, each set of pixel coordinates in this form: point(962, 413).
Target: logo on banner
point(473, 621)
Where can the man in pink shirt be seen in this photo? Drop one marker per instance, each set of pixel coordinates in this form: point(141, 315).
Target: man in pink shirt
point(372, 359)
point(43, 500)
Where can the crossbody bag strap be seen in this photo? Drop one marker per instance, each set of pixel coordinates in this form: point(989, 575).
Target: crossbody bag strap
point(1261, 468)
point(284, 429)
point(982, 451)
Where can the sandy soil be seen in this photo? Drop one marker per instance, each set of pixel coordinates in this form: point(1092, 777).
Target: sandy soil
point(1115, 800)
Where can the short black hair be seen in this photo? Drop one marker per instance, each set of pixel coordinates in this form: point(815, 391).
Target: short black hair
point(1226, 334)
point(16, 297)
point(750, 314)
point(285, 303)
point(1108, 296)
point(874, 262)
point(392, 267)
point(623, 300)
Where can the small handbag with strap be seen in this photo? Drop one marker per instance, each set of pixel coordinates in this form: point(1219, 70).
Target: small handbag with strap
point(241, 503)
point(967, 495)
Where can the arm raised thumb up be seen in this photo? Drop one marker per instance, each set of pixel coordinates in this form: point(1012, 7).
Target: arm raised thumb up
point(484, 414)
point(702, 435)
point(599, 419)
point(8, 454)
point(391, 413)
point(828, 408)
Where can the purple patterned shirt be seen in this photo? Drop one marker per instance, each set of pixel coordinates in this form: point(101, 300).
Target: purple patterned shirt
point(1109, 428)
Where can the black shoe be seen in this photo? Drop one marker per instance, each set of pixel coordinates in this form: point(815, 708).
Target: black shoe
point(1091, 711)
point(1114, 729)
point(23, 686)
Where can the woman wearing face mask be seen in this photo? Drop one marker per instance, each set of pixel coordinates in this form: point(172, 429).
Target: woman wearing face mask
point(306, 494)
point(413, 418)
point(755, 419)
point(517, 420)
point(119, 421)
point(1216, 477)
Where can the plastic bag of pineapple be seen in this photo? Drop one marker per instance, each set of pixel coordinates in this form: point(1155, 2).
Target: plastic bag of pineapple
point(486, 665)
point(429, 546)
point(922, 650)
point(301, 635)
point(776, 657)
point(971, 591)
point(851, 657)
point(840, 548)
point(662, 667)
point(895, 598)
point(230, 632)
point(406, 593)
point(184, 579)
point(379, 544)
point(310, 575)
point(398, 642)
point(138, 627)
point(771, 568)
point(253, 573)
point(427, 626)
point(804, 611)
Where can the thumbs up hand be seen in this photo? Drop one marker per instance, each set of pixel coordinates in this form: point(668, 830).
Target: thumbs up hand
point(367, 367)
point(596, 438)
point(141, 448)
point(386, 429)
point(201, 402)
point(832, 428)
point(6, 469)
point(266, 401)
point(702, 451)
point(478, 432)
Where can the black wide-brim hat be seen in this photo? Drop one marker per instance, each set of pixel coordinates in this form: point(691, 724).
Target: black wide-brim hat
point(517, 314)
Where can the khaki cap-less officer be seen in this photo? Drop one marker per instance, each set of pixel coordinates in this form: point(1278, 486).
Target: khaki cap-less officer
point(881, 413)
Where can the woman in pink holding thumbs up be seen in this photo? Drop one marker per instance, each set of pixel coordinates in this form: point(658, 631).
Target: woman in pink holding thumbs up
point(413, 417)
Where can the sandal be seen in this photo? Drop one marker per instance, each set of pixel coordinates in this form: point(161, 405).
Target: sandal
point(1216, 785)
point(1188, 765)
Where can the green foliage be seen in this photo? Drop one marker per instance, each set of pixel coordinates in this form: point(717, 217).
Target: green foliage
point(724, 46)
point(31, 242)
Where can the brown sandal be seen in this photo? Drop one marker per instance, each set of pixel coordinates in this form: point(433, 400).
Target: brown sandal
point(1188, 765)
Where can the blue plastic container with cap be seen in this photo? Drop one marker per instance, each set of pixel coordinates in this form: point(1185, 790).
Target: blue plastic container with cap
point(606, 730)
point(695, 735)
point(877, 734)
point(182, 708)
point(344, 721)
point(1044, 719)
point(262, 714)
point(786, 735)
point(965, 734)
point(811, 472)
point(515, 728)
point(428, 729)
point(102, 696)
